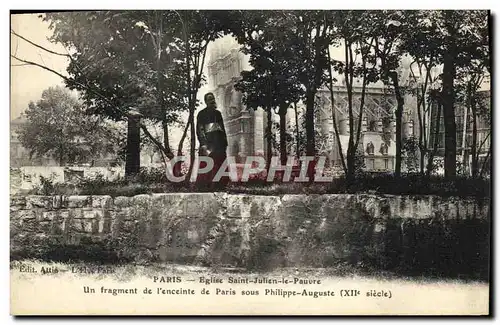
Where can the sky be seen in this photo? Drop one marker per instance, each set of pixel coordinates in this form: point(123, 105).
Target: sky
point(28, 82)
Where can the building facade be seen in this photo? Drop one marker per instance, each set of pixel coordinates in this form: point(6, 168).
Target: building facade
point(245, 127)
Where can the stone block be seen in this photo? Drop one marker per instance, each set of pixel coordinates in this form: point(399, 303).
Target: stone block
point(84, 225)
point(47, 215)
point(266, 231)
point(45, 227)
point(79, 201)
point(59, 201)
point(23, 214)
point(63, 214)
point(38, 201)
point(104, 225)
point(58, 226)
point(142, 200)
point(19, 201)
point(75, 213)
point(29, 225)
point(92, 213)
point(102, 201)
point(122, 202)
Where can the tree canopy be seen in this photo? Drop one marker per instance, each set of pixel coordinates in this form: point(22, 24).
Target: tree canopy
point(58, 126)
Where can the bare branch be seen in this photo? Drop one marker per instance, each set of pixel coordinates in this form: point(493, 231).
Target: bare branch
point(17, 47)
point(39, 46)
point(41, 59)
point(334, 120)
point(167, 152)
point(482, 143)
point(483, 167)
point(26, 62)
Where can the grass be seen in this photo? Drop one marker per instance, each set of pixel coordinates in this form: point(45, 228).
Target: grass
point(154, 181)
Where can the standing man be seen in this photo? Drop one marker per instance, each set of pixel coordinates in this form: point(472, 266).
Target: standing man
point(211, 134)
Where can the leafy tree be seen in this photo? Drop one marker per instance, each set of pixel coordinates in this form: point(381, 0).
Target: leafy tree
point(58, 126)
point(425, 81)
point(462, 35)
point(117, 64)
point(410, 149)
point(310, 39)
point(192, 31)
point(476, 108)
point(272, 83)
point(358, 41)
point(291, 47)
point(389, 30)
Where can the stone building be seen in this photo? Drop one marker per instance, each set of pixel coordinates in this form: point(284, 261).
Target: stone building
point(245, 128)
point(464, 127)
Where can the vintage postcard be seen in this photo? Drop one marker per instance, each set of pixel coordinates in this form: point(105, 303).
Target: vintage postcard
point(250, 162)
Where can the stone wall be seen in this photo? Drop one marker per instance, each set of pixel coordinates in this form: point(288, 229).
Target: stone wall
point(260, 232)
point(28, 177)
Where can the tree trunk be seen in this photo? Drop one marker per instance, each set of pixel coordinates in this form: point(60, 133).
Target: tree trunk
point(349, 75)
point(430, 160)
point(283, 152)
point(177, 168)
point(483, 167)
point(450, 129)
point(133, 160)
point(334, 119)
point(61, 155)
point(297, 129)
point(269, 150)
point(310, 141)
point(193, 145)
point(474, 155)
point(421, 133)
point(180, 148)
point(351, 164)
point(166, 142)
point(399, 122)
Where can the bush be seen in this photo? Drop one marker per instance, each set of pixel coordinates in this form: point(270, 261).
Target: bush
point(154, 181)
point(46, 186)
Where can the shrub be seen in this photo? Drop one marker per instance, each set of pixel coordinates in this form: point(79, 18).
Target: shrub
point(154, 181)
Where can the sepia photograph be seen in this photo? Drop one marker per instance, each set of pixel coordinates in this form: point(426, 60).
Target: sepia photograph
point(250, 162)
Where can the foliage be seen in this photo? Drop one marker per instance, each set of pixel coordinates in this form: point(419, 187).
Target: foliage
point(46, 186)
point(408, 184)
point(409, 151)
point(58, 126)
point(272, 82)
point(354, 32)
point(113, 62)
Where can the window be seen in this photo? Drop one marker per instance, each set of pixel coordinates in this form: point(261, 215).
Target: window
point(372, 126)
point(227, 100)
point(371, 164)
point(370, 148)
point(386, 163)
point(409, 129)
point(384, 149)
